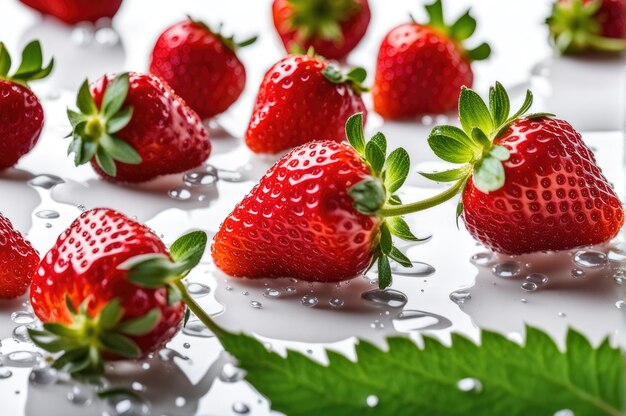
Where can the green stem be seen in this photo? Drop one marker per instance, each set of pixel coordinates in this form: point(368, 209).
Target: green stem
point(198, 311)
point(397, 210)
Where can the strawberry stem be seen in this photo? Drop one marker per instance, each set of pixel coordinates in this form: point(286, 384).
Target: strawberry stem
point(396, 210)
point(198, 311)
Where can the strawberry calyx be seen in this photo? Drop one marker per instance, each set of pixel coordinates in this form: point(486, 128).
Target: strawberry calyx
point(86, 340)
point(459, 31)
point(94, 129)
point(354, 77)
point(228, 41)
point(31, 67)
point(374, 193)
point(320, 19)
point(574, 28)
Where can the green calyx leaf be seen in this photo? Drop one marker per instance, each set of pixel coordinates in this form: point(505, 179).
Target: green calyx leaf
point(87, 338)
point(228, 41)
point(354, 77)
point(31, 66)
point(94, 129)
point(575, 28)
point(319, 19)
point(459, 31)
point(368, 196)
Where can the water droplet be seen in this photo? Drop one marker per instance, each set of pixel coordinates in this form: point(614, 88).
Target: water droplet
point(386, 297)
point(482, 259)
point(79, 396)
point(43, 376)
point(336, 302)
point(523, 300)
point(427, 120)
point(562, 314)
point(372, 400)
point(129, 406)
point(82, 34)
point(240, 408)
point(616, 256)
point(271, 293)
point(195, 328)
point(229, 288)
point(564, 412)
point(460, 296)
point(290, 289)
point(308, 300)
point(168, 354)
point(256, 304)
point(590, 259)
point(620, 277)
point(47, 214)
point(179, 194)
point(230, 175)
point(23, 317)
point(577, 273)
point(186, 345)
point(48, 225)
point(538, 279)
point(231, 374)
point(45, 181)
point(180, 401)
point(81, 207)
point(145, 366)
point(199, 178)
point(377, 325)
point(507, 270)
point(245, 293)
point(22, 359)
point(469, 385)
point(419, 269)
point(529, 286)
point(620, 304)
point(107, 37)
point(137, 386)
point(5, 373)
point(198, 290)
point(414, 320)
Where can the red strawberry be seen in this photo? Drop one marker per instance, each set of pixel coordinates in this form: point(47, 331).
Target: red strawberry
point(134, 128)
point(313, 216)
point(578, 26)
point(421, 68)
point(303, 98)
point(76, 11)
point(19, 261)
point(201, 66)
point(332, 27)
point(21, 115)
point(529, 183)
point(93, 307)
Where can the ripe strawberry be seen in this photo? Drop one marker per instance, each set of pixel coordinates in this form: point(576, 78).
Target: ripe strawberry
point(21, 115)
point(303, 98)
point(332, 27)
point(314, 215)
point(107, 290)
point(19, 261)
point(421, 67)
point(529, 183)
point(578, 26)
point(76, 11)
point(200, 64)
point(134, 128)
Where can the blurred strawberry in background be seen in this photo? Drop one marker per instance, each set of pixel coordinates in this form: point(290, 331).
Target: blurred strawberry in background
point(76, 11)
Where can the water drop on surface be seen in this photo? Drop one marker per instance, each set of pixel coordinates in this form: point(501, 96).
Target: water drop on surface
point(482, 259)
point(377, 325)
point(198, 290)
point(590, 259)
point(199, 178)
point(179, 194)
point(562, 314)
point(336, 302)
point(47, 214)
point(82, 34)
point(418, 269)
point(124, 405)
point(245, 293)
point(107, 37)
point(45, 181)
point(168, 354)
point(414, 320)
point(309, 301)
point(138, 386)
point(229, 288)
point(180, 401)
point(372, 400)
point(506, 270)
point(538, 279)
point(22, 359)
point(256, 304)
point(386, 297)
point(460, 296)
point(81, 207)
point(43, 376)
point(195, 328)
point(231, 374)
point(48, 225)
point(529, 286)
point(616, 256)
point(619, 277)
point(620, 304)
point(290, 289)
point(240, 408)
point(20, 333)
point(523, 300)
point(469, 385)
point(79, 396)
point(5, 373)
point(271, 293)
point(230, 175)
point(577, 273)
point(23, 317)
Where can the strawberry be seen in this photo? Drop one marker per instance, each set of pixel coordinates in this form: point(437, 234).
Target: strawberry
point(19, 260)
point(133, 128)
point(303, 98)
point(21, 115)
point(528, 182)
point(314, 215)
point(421, 67)
point(201, 65)
point(332, 27)
point(578, 26)
point(76, 11)
point(107, 290)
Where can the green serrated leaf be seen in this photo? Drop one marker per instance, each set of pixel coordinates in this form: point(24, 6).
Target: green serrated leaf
point(152, 270)
point(141, 325)
point(451, 175)
point(400, 228)
point(459, 212)
point(85, 101)
point(489, 175)
point(5, 61)
point(381, 141)
point(120, 120)
point(374, 156)
point(111, 314)
point(88, 150)
point(435, 14)
point(386, 243)
point(357, 75)
point(450, 149)
point(354, 133)
point(70, 306)
point(120, 344)
point(104, 160)
point(384, 272)
point(499, 104)
point(528, 102)
point(187, 316)
point(32, 59)
point(473, 112)
point(75, 118)
point(399, 257)
point(119, 150)
point(395, 200)
point(480, 137)
point(115, 95)
point(396, 169)
point(188, 249)
point(479, 53)
point(464, 27)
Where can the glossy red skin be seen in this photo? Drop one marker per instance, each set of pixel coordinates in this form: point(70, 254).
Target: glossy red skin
point(76, 11)
point(299, 220)
point(353, 30)
point(21, 121)
point(555, 196)
point(296, 104)
point(18, 261)
point(612, 18)
point(167, 134)
point(419, 71)
point(199, 67)
point(83, 265)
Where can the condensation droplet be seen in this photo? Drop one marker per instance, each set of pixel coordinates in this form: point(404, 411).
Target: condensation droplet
point(240, 408)
point(179, 194)
point(386, 297)
point(271, 293)
point(460, 296)
point(506, 270)
point(309, 301)
point(256, 304)
point(336, 302)
point(47, 214)
point(198, 290)
point(45, 181)
point(470, 384)
point(590, 259)
point(372, 400)
point(577, 273)
point(195, 328)
point(482, 259)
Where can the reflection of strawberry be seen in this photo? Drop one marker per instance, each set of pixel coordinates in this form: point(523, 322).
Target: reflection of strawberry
point(314, 215)
point(529, 183)
point(421, 68)
point(200, 64)
point(133, 128)
point(332, 27)
point(588, 25)
point(303, 98)
point(21, 115)
point(76, 11)
point(93, 307)
point(19, 261)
